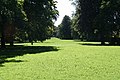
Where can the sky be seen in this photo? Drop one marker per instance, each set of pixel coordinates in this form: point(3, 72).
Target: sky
point(65, 8)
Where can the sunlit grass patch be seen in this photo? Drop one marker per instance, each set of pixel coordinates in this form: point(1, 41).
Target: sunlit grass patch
point(71, 61)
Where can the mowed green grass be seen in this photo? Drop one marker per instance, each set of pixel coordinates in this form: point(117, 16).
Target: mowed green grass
point(72, 61)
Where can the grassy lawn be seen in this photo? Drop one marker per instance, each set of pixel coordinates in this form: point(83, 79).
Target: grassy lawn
point(60, 60)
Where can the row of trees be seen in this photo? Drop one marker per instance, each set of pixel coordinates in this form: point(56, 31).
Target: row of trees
point(26, 20)
point(100, 20)
point(96, 20)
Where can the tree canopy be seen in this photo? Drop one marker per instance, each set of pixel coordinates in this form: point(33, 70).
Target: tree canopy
point(10, 11)
point(97, 20)
point(32, 18)
point(65, 28)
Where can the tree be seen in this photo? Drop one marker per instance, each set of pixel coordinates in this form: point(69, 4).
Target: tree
point(32, 18)
point(99, 20)
point(40, 14)
point(76, 31)
point(8, 11)
point(108, 21)
point(89, 11)
point(65, 28)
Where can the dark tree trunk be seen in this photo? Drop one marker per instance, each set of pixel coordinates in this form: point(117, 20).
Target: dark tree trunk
point(3, 42)
point(11, 43)
point(4, 19)
point(102, 38)
point(102, 43)
point(11, 40)
point(2, 38)
point(31, 43)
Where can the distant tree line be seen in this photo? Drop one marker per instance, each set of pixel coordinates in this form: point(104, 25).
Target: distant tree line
point(96, 20)
point(23, 20)
point(64, 29)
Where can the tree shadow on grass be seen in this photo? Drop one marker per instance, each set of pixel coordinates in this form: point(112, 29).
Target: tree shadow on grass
point(94, 43)
point(91, 44)
point(20, 50)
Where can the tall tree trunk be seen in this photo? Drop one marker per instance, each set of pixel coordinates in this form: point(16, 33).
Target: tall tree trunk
point(11, 42)
point(102, 38)
point(4, 19)
point(2, 38)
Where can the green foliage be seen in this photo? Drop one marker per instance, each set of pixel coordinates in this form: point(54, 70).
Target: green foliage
point(73, 61)
point(88, 12)
point(75, 32)
point(11, 9)
point(77, 29)
point(108, 21)
point(32, 18)
point(97, 20)
point(65, 28)
point(10, 12)
point(40, 14)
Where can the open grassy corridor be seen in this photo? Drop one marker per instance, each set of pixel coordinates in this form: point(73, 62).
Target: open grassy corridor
point(70, 61)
